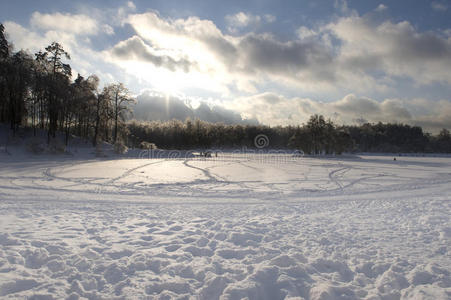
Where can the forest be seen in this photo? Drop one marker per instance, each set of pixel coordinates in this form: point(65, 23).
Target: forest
point(37, 92)
point(317, 136)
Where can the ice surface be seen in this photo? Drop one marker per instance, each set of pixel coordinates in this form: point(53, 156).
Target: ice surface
point(363, 227)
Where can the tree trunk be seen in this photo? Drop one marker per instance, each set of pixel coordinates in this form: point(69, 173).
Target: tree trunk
point(115, 117)
point(96, 128)
point(12, 112)
point(67, 133)
point(33, 119)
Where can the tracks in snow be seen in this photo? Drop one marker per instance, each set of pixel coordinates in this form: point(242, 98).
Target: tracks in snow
point(307, 178)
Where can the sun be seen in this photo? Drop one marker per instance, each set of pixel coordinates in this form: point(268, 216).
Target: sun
point(174, 82)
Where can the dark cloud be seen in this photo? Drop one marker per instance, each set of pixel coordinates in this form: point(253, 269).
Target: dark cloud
point(254, 55)
point(358, 106)
point(354, 53)
point(218, 114)
point(391, 49)
point(434, 124)
point(135, 49)
point(222, 48)
point(271, 98)
point(395, 111)
point(427, 46)
point(156, 107)
point(263, 53)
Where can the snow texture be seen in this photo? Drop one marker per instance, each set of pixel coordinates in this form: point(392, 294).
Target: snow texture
point(364, 227)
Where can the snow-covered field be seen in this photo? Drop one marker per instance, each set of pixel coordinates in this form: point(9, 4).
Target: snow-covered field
point(229, 227)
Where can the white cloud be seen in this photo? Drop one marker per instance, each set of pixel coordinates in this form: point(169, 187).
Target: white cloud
point(269, 18)
point(84, 60)
point(304, 32)
point(77, 24)
point(396, 49)
point(242, 20)
point(240, 61)
point(24, 38)
point(352, 53)
point(107, 29)
point(136, 49)
point(439, 6)
point(381, 7)
point(342, 6)
point(131, 5)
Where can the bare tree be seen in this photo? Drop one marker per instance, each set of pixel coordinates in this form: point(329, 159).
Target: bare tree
point(121, 100)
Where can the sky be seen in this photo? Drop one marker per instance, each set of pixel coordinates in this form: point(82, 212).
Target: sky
point(271, 62)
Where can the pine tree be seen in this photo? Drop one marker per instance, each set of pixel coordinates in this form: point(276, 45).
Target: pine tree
point(60, 72)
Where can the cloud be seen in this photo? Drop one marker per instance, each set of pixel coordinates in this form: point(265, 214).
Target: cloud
point(351, 53)
point(304, 32)
point(433, 116)
point(84, 59)
point(76, 33)
point(274, 109)
point(135, 49)
point(395, 49)
point(381, 7)
point(152, 106)
point(76, 24)
point(389, 110)
point(242, 20)
point(23, 38)
point(438, 6)
point(238, 61)
point(263, 53)
point(342, 6)
point(193, 37)
point(269, 18)
point(131, 5)
point(107, 29)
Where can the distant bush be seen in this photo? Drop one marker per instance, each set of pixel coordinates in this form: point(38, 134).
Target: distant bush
point(39, 146)
point(36, 146)
point(56, 146)
point(120, 148)
point(148, 146)
point(99, 151)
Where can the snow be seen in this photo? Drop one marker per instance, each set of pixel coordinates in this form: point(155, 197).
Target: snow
point(231, 227)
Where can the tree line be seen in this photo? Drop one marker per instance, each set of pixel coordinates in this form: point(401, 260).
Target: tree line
point(317, 136)
point(36, 90)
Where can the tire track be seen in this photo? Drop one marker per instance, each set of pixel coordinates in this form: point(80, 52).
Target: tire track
point(333, 178)
point(128, 172)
